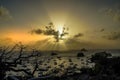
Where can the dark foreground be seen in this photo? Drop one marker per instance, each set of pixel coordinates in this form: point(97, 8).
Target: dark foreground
point(106, 67)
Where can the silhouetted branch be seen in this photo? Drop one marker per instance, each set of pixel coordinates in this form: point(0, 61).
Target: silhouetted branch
point(9, 59)
point(21, 70)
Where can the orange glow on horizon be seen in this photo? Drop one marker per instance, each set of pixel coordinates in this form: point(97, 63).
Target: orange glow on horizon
point(25, 38)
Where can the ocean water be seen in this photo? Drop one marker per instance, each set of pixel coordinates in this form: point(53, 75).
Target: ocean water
point(63, 60)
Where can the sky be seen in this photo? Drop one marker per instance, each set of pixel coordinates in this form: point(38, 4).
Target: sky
point(76, 24)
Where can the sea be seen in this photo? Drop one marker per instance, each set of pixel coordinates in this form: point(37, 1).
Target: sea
point(60, 61)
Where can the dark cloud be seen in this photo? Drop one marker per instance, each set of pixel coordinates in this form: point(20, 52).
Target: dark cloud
point(114, 13)
point(4, 13)
point(113, 36)
point(78, 35)
point(102, 30)
point(37, 31)
point(51, 31)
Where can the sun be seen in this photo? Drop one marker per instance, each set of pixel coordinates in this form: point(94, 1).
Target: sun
point(60, 31)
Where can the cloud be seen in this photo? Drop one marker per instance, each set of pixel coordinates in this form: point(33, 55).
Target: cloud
point(4, 13)
point(78, 35)
point(75, 43)
point(6, 41)
point(112, 36)
point(102, 30)
point(51, 31)
point(68, 44)
point(114, 13)
point(37, 31)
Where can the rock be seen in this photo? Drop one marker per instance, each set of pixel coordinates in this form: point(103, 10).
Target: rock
point(55, 63)
point(70, 60)
point(53, 54)
point(84, 50)
point(80, 54)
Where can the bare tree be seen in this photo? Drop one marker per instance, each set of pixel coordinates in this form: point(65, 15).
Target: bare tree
point(10, 58)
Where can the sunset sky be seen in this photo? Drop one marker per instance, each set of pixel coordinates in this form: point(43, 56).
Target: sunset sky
point(91, 23)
